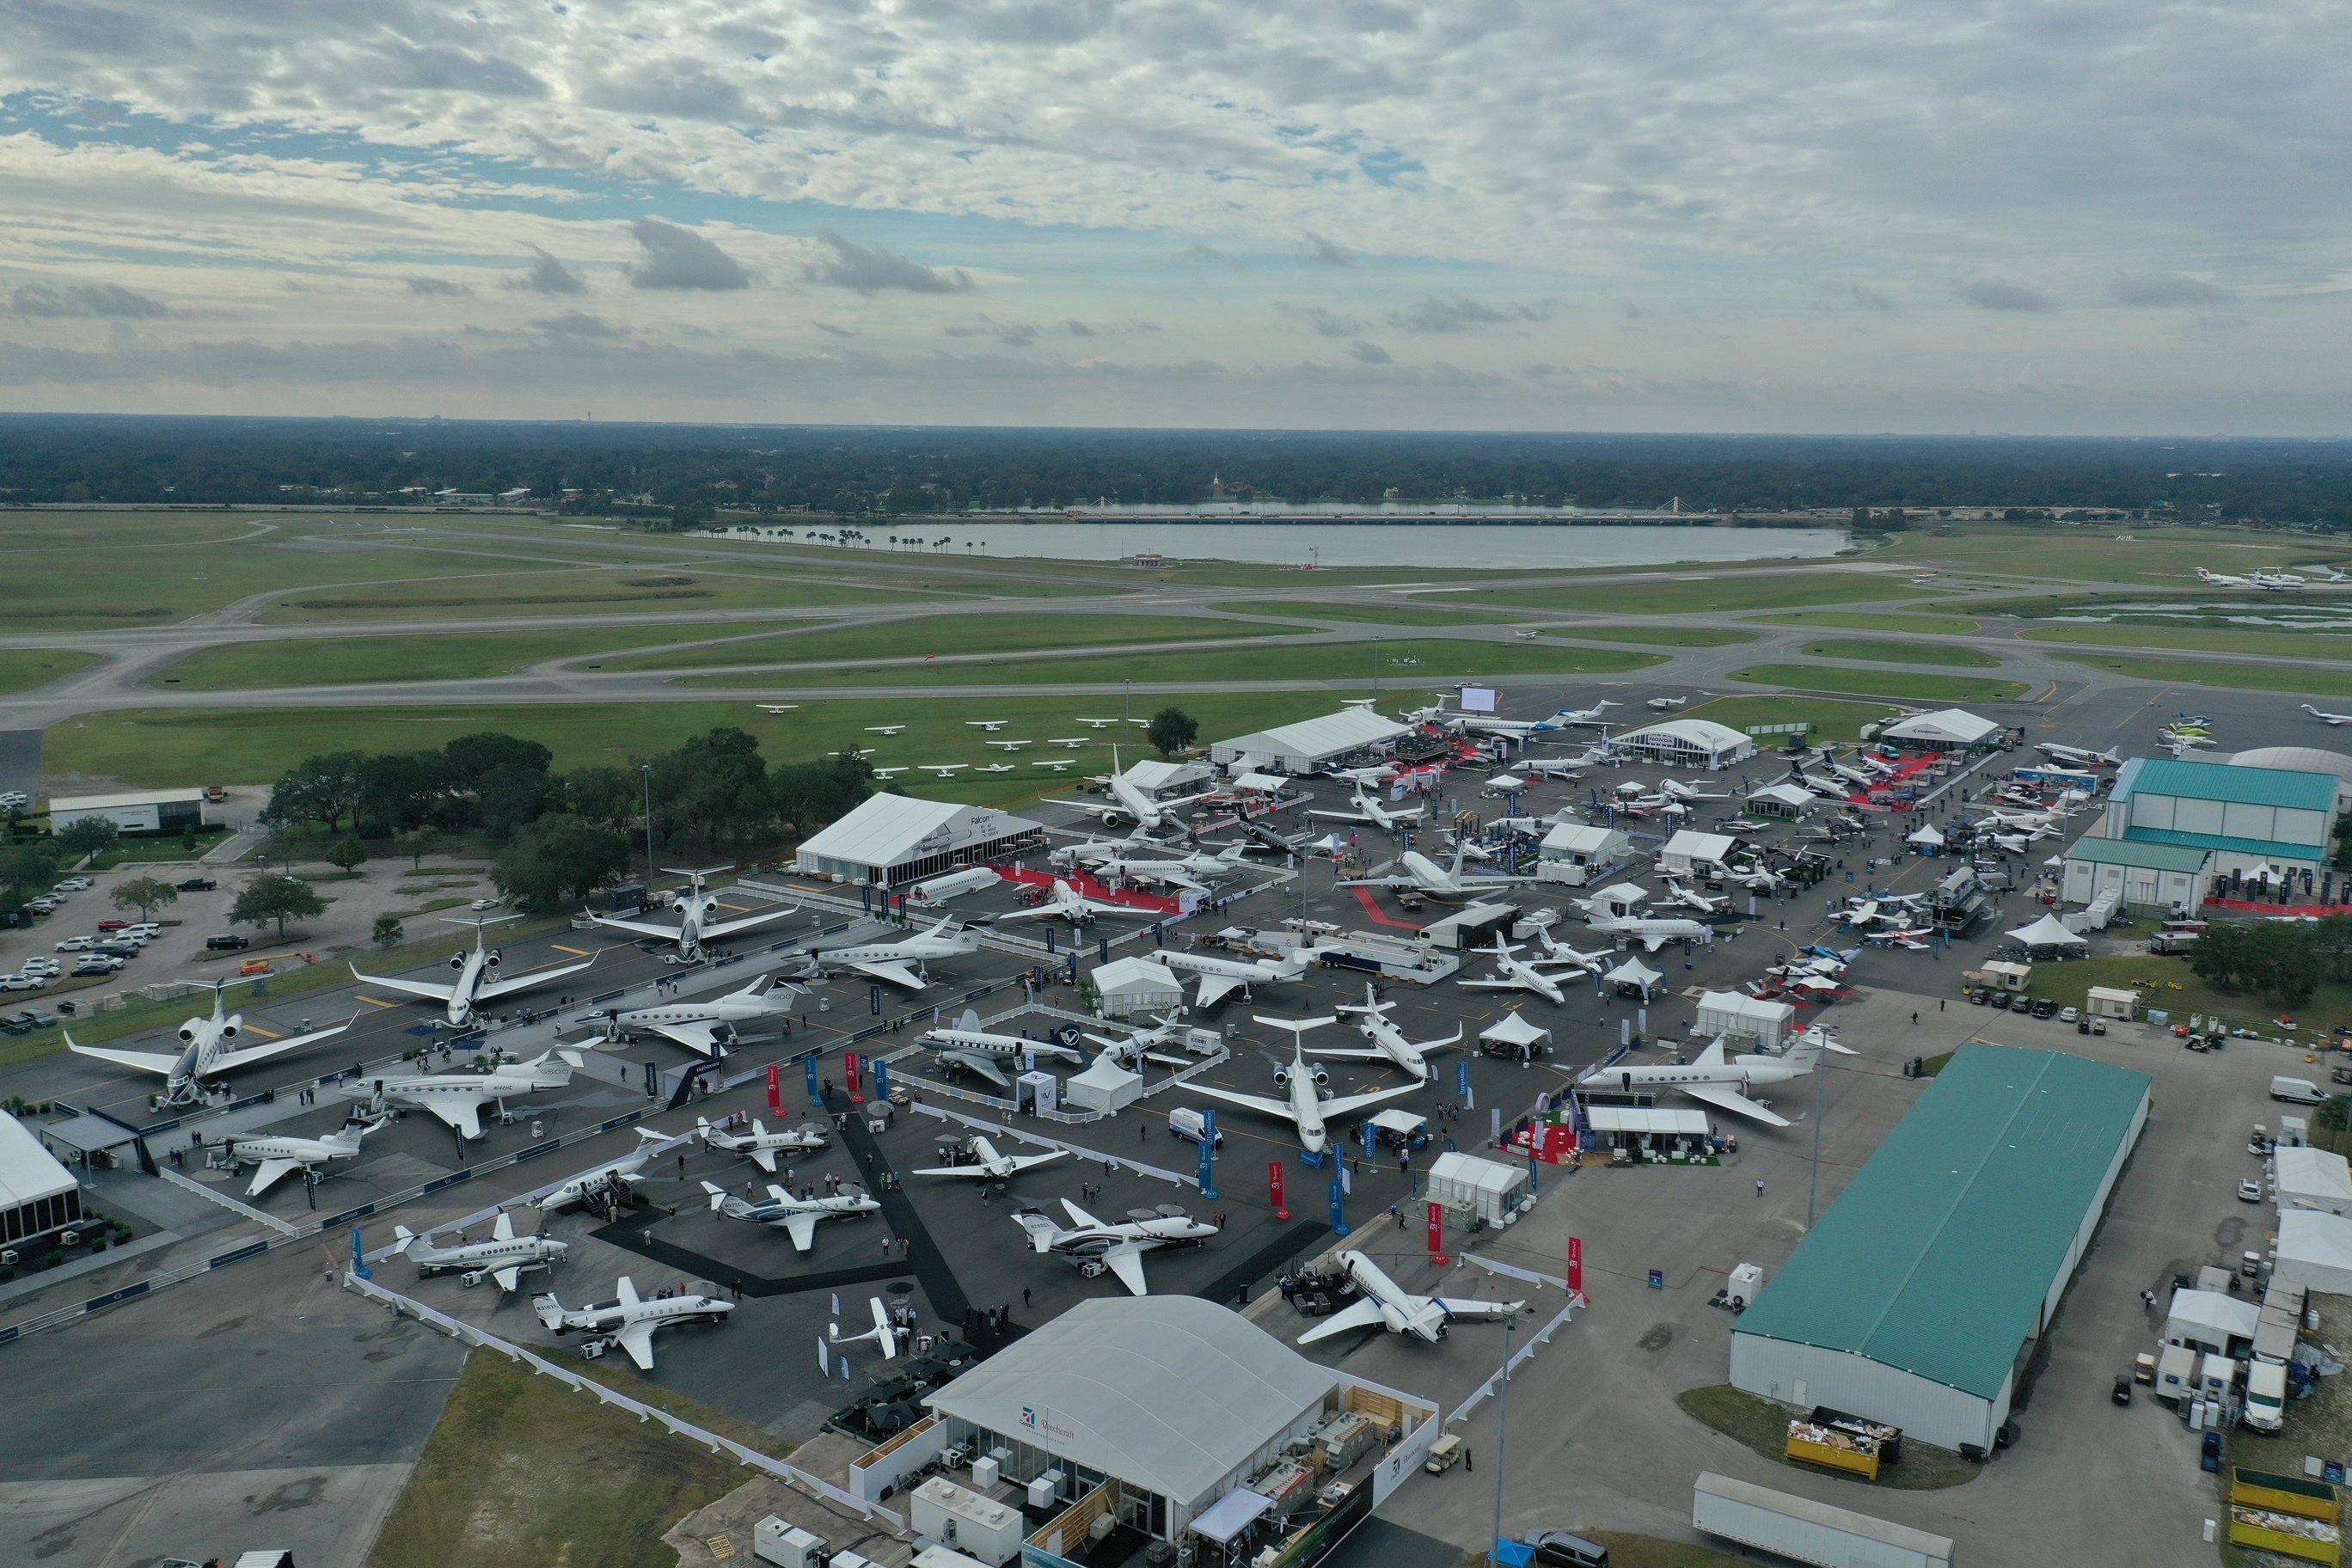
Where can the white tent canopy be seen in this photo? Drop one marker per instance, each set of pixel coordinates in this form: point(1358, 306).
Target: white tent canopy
point(2047, 932)
point(2313, 1179)
point(1513, 1029)
point(1506, 781)
point(1131, 985)
point(1926, 835)
point(1261, 784)
point(1106, 1086)
point(2315, 1251)
point(1944, 726)
point(1690, 847)
point(1634, 972)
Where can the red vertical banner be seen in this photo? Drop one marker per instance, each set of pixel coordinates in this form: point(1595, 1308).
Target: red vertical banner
point(776, 1089)
point(1437, 1236)
point(1576, 1266)
point(1274, 1186)
point(849, 1071)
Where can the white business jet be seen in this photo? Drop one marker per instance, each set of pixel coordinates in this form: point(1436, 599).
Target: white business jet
point(628, 1321)
point(1104, 1246)
point(900, 962)
point(1513, 973)
point(457, 1097)
point(1130, 801)
point(2330, 720)
point(1221, 978)
point(207, 1049)
point(1652, 932)
point(797, 1217)
point(504, 1255)
point(1592, 715)
point(700, 920)
point(279, 1158)
point(976, 1051)
point(1305, 1104)
point(478, 979)
point(1445, 883)
point(1363, 807)
point(707, 1026)
point(991, 1165)
point(1388, 1043)
point(1381, 1302)
point(626, 1169)
point(1064, 901)
point(2080, 757)
point(1723, 1080)
point(760, 1145)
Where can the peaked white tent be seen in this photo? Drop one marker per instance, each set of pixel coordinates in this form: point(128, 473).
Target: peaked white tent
point(2315, 1251)
point(2048, 932)
point(2313, 1179)
point(1106, 1086)
point(1514, 1030)
point(1505, 782)
point(1926, 836)
point(1634, 972)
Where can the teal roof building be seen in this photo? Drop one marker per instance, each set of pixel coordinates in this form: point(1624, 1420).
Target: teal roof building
point(1919, 1299)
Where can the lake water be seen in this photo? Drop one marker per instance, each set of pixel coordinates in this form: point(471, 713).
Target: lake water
point(1414, 544)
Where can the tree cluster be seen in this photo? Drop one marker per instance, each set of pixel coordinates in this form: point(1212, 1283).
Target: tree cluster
point(2282, 961)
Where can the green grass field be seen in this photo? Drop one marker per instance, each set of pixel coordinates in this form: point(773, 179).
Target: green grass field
point(1704, 594)
point(1864, 621)
point(2292, 680)
point(334, 661)
point(1831, 719)
point(1349, 663)
point(1902, 684)
point(1662, 636)
point(142, 747)
point(1019, 631)
point(1403, 612)
point(1878, 652)
point(2089, 552)
point(2200, 639)
point(2067, 982)
point(524, 1471)
point(23, 668)
point(1763, 1425)
point(590, 592)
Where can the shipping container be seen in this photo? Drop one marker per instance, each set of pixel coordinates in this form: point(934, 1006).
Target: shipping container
point(1810, 1531)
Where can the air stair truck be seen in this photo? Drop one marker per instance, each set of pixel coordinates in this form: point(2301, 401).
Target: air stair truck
point(1807, 1532)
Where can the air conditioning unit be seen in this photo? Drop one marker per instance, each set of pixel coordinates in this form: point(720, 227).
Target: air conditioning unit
point(68, 1237)
point(7, 1257)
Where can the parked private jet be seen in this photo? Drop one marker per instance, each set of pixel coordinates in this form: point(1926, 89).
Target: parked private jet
point(1723, 1080)
point(1388, 1043)
point(900, 962)
point(797, 1217)
point(2330, 720)
point(1304, 1105)
point(988, 1164)
point(205, 1049)
point(707, 1026)
point(629, 1322)
point(1107, 1247)
point(1363, 807)
point(1381, 1303)
point(478, 979)
point(761, 1146)
point(504, 1257)
point(279, 1157)
point(699, 921)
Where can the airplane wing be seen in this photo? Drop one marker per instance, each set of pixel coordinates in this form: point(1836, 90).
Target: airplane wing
point(952, 1171)
point(1340, 815)
point(1126, 1260)
point(145, 1061)
point(464, 1116)
point(1464, 1307)
point(525, 982)
point(1349, 1102)
point(729, 928)
point(1376, 882)
point(801, 1229)
point(1091, 807)
point(765, 1159)
point(980, 1065)
point(1215, 988)
point(270, 1173)
point(1351, 1053)
point(1654, 941)
point(701, 1037)
point(266, 1048)
point(896, 971)
point(643, 928)
point(1129, 909)
point(1029, 1161)
point(1247, 1101)
point(637, 1338)
point(508, 1278)
point(1723, 1096)
point(412, 987)
point(1492, 986)
point(1364, 1314)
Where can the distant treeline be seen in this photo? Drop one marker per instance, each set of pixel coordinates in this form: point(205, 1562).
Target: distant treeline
point(681, 472)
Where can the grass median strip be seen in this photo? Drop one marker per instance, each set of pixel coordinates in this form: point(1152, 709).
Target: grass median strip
point(1871, 621)
point(2280, 643)
point(2294, 679)
point(1901, 684)
point(1831, 719)
point(1021, 631)
point(1876, 650)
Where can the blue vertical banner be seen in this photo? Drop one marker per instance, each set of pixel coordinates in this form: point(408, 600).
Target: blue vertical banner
point(1102, 952)
point(1050, 946)
point(1462, 1080)
point(1073, 965)
point(653, 1081)
point(873, 1000)
point(1208, 1154)
point(1534, 1167)
point(1338, 1209)
point(881, 1081)
point(808, 1065)
point(359, 1259)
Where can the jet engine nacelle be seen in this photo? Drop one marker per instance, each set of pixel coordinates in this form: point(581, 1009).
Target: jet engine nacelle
point(1282, 1078)
point(493, 960)
point(188, 1034)
point(1322, 1075)
point(456, 961)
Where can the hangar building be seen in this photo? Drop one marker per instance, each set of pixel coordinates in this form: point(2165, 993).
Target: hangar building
point(147, 811)
point(1922, 1296)
point(1688, 742)
point(1311, 744)
point(893, 839)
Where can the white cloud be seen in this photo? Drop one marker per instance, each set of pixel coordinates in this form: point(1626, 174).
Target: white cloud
point(680, 259)
point(1999, 294)
point(842, 265)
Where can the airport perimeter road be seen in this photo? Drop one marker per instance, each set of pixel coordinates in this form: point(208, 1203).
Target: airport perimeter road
point(261, 1406)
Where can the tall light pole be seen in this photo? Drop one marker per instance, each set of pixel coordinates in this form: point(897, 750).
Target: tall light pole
point(1821, 1099)
point(646, 770)
point(1129, 684)
point(1502, 1442)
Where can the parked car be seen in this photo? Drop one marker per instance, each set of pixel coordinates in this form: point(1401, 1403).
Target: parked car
point(76, 884)
point(480, 904)
point(145, 928)
point(14, 800)
point(117, 949)
point(2070, 1014)
point(23, 982)
point(2122, 1395)
point(2047, 1007)
point(97, 964)
point(1558, 1549)
point(77, 943)
point(2003, 1000)
point(41, 1017)
point(1980, 994)
point(42, 966)
point(110, 923)
point(227, 944)
point(13, 1027)
point(198, 885)
point(2250, 1192)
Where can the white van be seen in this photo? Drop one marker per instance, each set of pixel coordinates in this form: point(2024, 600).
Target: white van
point(2265, 1396)
point(1189, 1126)
point(2298, 1090)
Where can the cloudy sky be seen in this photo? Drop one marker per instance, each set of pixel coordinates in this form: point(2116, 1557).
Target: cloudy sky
point(1746, 214)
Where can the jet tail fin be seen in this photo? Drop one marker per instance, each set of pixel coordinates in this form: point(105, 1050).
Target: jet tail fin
point(717, 1194)
point(401, 1238)
point(550, 1310)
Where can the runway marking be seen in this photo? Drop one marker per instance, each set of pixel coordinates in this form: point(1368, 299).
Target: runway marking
point(574, 951)
point(265, 1034)
point(373, 1001)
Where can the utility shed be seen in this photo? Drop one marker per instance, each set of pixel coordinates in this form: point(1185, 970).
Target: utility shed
point(1486, 1189)
point(1749, 1020)
point(1129, 987)
point(1573, 852)
point(1918, 1298)
point(1690, 851)
point(2313, 1179)
point(891, 839)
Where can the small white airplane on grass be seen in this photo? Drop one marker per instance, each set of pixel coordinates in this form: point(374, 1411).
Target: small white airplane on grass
point(1513, 973)
point(457, 1097)
point(1008, 745)
point(1723, 1080)
point(624, 1169)
point(797, 1217)
point(761, 1145)
point(991, 1166)
point(627, 1321)
point(478, 979)
point(701, 920)
point(1363, 807)
point(1104, 1246)
point(945, 770)
point(2330, 720)
point(778, 707)
point(1064, 901)
point(1098, 723)
point(1071, 742)
point(900, 962)
point(995, 768)
point(891, 772)
point(1381, 1303)
point(279, 1158)
point(504, 1257)
point(1056, 764)
point(706, 1027)
point(884, 1335)
point(990, 725)
point(883, 729)
point(206, 1051)
point(1388, 1043)
point(1303, 1105)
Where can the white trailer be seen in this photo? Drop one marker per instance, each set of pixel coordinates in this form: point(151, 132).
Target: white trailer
point(1810, 1531)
